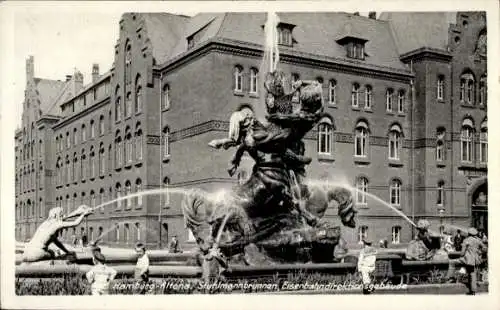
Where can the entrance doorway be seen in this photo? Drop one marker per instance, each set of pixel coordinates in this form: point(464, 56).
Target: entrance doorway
point(479, 208)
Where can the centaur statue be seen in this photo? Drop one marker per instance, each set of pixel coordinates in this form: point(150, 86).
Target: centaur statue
point(274, 216)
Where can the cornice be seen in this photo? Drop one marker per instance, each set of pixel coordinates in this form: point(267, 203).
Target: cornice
point(427, 53)
point(287, 55)
point(83, 113)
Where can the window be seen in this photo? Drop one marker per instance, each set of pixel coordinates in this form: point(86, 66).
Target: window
point(166, 185)
point(355, 95)
point(101, 125)
point(128, 191)
point(93, 167)
point(138, 188)
point(388, 99)
point(254, 80)
point(361, 140)
point(69, 177)
point(102, 199)
point(332, 88)
point(138, 142)
point(238, 79)
point(166, 142)
point(128, 105)
point(138, 100)
point(401, 101)
point(396, 234)
point(467, 84)
point(284, 35)
point(394, 142)
point(117, 232)
point(91, 233)
point(128, 146)
point(84, 133)
point(466, 141)
point(440, 145)
point(92, 199)
point(75, 168)
point(166, 97)
point(118, 196)
point(68, 142)
point(440, 87)
point(395, 193)
point(361, 190)
point(137, 232)
point(325, 137)
point(483, 144)
point(118, 111)
point(102, 160)
point(75, 136)
point(368, 97)
point(440, 194)
point(92, 129)
point(128, 62)
point(110, 157)
point(118, 150)
point(483, 96)
point(362, 233)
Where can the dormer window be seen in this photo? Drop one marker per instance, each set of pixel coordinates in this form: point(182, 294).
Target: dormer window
point(355, 46)
point(285, 34)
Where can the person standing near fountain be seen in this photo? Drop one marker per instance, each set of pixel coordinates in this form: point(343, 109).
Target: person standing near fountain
point(100, 276)
point(141, 271)
point(47, 233)
point(366, 265)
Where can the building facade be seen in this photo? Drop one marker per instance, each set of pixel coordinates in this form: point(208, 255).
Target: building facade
point(406, 121)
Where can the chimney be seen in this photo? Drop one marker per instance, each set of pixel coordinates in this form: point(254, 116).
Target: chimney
point(68, 78)
point(78, 81)
point(95, 72)
point(372, 15)
point(30, 68)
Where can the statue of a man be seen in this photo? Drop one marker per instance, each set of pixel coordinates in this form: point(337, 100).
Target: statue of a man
point(37, 248)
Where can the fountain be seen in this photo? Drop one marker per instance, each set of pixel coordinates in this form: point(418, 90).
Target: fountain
point(275, 217)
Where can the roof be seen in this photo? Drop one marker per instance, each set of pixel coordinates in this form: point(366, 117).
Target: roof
point(48, 92)
point(315, 33)
point(164, 30)
point(420, 29)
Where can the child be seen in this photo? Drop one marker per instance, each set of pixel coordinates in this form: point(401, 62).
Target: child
point(366, 265)
point(100, 276)
point(141, 271)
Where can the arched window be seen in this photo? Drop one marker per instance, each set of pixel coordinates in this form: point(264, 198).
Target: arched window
point(138, 99)
point(440, 145)
point(93, 164)
point(254, 80)
point(466, 140)
point(325, 137)
point(389, 94)
point(75, 136)
point(368, 97)
point(117, 232)
point(92, 199)
point(84, 199)
point(395, 193)
point(332, 92)
point(361, 190)
point(483, 143)
point(101, 125)
point(91, 233)
point(138, 189)
point(362, 233)
point(137, 232)
point(138, 142)
point(238, 79)
point(396, 235)
point(128, 105)
point(102, 198)
point(440, 87)
point(83, 165)
point(440, 194)
point(118, 150)
point(92, 129)
point(102, 160)
point(355, 95)
point(166, 142)
point(69, 176)
point(118, 109)
point(166, 97)
point(128, 146)
point(74, 202)
point(76, 168)
point(401, 101)
point(110, 157)
point(118, 196)
point(483, 95)
point(467, 84)
point(394, 142)
point(361, 139)
point(126, 232)
point(128, 62)
point(166, 197)
point(128, 191)
point(84, 133)
point(68, 142)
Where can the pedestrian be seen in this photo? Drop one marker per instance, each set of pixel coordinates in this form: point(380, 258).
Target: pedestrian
point(366, 265)
point(100, 276)
point(457, 240)
point(74, 240)
point(174, 245)
point(470, 257)
point(141, 271)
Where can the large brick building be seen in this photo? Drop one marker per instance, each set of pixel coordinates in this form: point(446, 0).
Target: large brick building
point(407, 119)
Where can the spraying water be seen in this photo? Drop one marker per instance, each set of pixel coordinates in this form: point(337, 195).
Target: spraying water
point(271, 52)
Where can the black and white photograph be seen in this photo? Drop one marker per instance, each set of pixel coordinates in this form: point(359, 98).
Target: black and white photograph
point(247, 150)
